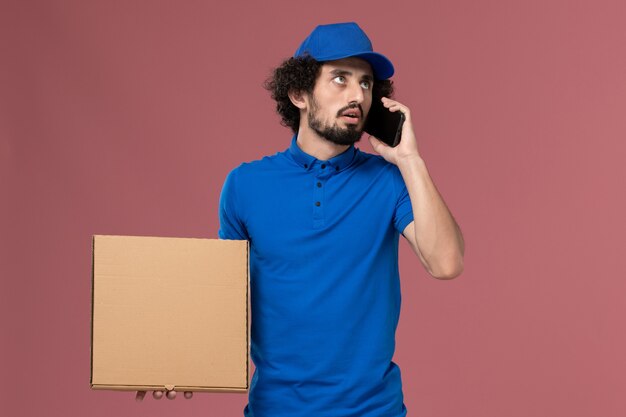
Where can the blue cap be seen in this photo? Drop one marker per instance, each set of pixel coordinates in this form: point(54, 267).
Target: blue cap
point(343, 40)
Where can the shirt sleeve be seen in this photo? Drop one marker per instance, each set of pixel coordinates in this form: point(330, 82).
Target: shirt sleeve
point(231, 225)
point(403, 214)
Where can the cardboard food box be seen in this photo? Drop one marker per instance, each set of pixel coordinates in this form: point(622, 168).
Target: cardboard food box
point(169, 313)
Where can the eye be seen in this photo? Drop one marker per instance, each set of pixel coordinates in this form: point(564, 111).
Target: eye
point(340, 79)
point(366, 84)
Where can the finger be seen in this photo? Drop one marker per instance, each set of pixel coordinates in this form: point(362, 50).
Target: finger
point(188, 394)
point(157, 395)
point(389, 102)
point(380, 147)
point(171, 395)
point(140, 395)
point(397, 107)
point(394, 106)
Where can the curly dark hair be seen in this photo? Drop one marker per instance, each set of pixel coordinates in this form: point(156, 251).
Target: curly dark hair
point(299, 74)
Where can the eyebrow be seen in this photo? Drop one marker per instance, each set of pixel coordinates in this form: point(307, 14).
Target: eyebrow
point(337, 72)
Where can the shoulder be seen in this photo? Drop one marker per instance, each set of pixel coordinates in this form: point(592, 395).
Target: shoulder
point(249, 170)
point(377, 163)
point(259, 164)
point(386, 172)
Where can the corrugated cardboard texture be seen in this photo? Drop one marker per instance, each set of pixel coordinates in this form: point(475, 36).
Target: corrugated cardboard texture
point(169, 312)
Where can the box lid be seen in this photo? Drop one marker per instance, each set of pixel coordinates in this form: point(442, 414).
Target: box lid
point(169, 313)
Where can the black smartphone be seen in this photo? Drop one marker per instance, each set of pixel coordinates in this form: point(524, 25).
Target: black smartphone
point(384, 124)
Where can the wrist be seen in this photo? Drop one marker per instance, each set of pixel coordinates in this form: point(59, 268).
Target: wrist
point(410, 160)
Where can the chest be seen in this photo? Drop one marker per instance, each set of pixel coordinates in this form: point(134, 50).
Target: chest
point(308, 216)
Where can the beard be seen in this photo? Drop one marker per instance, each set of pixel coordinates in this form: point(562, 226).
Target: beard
point(335, 134)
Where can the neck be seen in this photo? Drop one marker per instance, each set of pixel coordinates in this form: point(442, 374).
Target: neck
point(315, 145)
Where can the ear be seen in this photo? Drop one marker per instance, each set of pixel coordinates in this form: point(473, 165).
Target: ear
point(298, 99)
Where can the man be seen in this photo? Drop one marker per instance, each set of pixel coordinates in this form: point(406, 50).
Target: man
point(323, 220)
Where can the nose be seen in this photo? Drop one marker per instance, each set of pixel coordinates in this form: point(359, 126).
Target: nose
point(355, 93)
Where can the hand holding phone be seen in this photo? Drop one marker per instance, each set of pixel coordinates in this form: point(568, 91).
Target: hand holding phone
point(384, 124)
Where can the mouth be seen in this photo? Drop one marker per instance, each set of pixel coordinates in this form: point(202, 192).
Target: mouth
point(351, 116)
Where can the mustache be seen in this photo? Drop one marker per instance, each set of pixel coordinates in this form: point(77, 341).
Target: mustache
point(350, 106)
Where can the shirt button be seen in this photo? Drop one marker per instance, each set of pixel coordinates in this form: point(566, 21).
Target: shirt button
point(336, 168)
point(317, 203)
point(319, 184)
point(306, 166)
point(323, 166)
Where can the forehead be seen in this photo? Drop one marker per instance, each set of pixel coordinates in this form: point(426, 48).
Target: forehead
point(356, 65)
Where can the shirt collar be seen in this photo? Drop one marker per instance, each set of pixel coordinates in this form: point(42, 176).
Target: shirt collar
point(338, 162)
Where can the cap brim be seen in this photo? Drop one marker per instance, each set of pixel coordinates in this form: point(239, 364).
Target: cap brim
point(381, 65)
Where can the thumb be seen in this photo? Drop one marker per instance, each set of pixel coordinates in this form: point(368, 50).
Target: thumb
point(378, 145)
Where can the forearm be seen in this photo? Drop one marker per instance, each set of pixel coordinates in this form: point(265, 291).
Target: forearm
point(437, 234)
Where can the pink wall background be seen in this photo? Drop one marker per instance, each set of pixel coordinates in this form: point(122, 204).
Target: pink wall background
point(124, 117)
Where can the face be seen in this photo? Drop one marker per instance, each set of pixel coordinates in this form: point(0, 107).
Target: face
point(341, 99)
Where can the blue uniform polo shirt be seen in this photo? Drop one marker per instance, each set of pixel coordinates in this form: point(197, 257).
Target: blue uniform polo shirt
point(324, 282)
